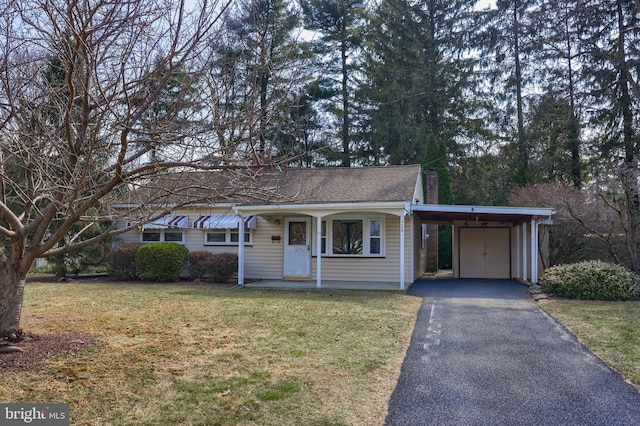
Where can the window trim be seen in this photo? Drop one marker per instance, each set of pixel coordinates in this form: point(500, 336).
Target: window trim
point(227, 237)
point(162, 235)
point(366, 226)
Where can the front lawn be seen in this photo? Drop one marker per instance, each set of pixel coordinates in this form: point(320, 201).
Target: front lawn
point(205, 355)
point(610, 329)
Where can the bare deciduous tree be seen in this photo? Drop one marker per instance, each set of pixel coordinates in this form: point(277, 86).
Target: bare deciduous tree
point(589, 223)
point(96, 96)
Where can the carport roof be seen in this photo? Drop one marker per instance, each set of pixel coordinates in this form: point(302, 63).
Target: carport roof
point(439, 213)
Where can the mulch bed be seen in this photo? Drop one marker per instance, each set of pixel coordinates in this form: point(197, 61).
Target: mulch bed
point(34, 351)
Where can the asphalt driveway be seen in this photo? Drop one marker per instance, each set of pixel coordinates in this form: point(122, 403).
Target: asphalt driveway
point(482, 353)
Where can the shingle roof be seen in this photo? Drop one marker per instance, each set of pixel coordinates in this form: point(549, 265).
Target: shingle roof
point(351, 185)
point(289, 186)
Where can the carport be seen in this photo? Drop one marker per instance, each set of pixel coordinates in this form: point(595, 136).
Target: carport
point(489, 241)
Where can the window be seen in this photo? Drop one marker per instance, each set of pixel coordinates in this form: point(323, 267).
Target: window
point(323, 238)
point(226, 237)
point(375, 237)
point(155, 236)
point(351, 236)
point(216, 237)
point(347, 236)
point(234, 235)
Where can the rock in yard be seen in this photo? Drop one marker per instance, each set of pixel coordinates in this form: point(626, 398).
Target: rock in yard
point(8, 349)
point(535, 289)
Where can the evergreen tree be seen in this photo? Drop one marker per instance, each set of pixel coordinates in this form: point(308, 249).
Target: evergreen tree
point(558, 42)
point(419, 75)
point(508, 39)
point(341, 24)
point(255, 81)
point(610, 35)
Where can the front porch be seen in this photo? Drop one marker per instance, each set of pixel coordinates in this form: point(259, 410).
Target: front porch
point(326, 285)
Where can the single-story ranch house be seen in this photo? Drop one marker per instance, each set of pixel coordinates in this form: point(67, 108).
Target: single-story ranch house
point(364, 224)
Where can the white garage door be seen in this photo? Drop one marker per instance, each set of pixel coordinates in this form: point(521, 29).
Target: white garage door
point(485, 252)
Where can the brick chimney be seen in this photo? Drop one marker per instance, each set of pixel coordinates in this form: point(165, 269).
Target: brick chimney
point(432, 229)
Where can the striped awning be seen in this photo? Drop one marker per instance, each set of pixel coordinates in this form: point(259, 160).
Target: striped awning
point(170, 221)
point(223, 221)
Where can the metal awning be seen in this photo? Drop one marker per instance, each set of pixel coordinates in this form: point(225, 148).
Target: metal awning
point(223, 221)
point(170, 221)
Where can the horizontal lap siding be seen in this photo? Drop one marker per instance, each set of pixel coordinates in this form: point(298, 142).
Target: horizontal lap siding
point(264, 259)
point(374, 269)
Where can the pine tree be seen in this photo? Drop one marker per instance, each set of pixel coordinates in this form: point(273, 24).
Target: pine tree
point(341, 24)
point(419, 75)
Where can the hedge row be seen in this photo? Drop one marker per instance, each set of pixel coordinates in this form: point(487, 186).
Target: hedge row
point(167, 261)
point(596, 280)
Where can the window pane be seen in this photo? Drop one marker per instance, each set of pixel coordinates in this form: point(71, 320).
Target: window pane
point(374, 228)
point(173, 236)
point(150, 236)
point(323, 237)
point(297, 233)
point(374, 246)
point(216, 237)
point(234, 236)
point(347, 236)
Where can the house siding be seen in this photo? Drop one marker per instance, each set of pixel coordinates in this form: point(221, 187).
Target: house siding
point(374, 269)
point(264, 257)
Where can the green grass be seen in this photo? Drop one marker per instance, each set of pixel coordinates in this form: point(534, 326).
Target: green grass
point(198, 355)
point(610, 329)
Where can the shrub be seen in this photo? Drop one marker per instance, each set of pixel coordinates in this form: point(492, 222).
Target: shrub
point(591, 280)
point(121, 261)
point(224, 266)
point(160, 261)
point(199, 264)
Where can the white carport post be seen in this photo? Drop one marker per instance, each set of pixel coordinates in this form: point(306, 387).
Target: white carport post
point(402, 251)
point(518, 251)
point(240, 249)
point(534, 251)
point(524, 251)
point(319, 252)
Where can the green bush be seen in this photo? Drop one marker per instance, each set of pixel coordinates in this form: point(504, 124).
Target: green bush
point(199, 264)
point(224, 266)
point(595, 280)
point(121, 261)
point(160, 261)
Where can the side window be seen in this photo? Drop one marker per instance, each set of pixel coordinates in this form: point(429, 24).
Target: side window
point(157, 236)
point(226, 237)
point(173, 236)
point(216, 237)
point(149, 237)
point(375, 237)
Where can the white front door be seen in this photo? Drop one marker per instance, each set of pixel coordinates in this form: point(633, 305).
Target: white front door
point(297, 248)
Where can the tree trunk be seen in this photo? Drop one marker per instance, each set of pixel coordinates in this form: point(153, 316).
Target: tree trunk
point(12, 282)
point(523, 149)
point(346, 149)
point(630, 166)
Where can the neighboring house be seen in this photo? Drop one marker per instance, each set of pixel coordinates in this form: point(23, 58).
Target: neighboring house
point(345, 224)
